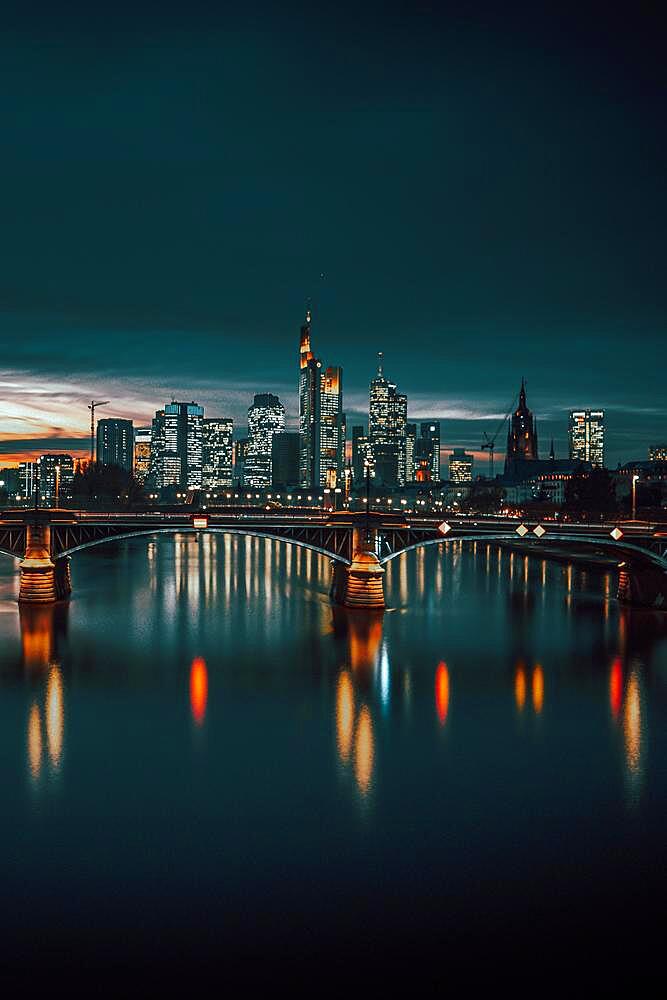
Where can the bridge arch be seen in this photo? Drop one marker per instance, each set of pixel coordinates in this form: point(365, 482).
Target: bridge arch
point(185, 530)
point(621, 549)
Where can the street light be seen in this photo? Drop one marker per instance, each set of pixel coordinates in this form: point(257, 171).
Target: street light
point(635, 480)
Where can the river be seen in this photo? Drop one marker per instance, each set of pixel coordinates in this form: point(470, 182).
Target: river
point(204, 762)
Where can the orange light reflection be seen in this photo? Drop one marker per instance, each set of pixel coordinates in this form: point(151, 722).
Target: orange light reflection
point(538, 688)
point(34, 741)
point(520, 687)
point(364, 751)
point(442, 692)
point(198, 689)
point(632, 724)
point(55, 715)
point(344, 715)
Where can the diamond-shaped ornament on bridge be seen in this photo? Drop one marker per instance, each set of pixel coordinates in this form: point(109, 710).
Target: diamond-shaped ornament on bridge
point(616, 533)
point(522, 530)
point(444, 528)
point(539, 531)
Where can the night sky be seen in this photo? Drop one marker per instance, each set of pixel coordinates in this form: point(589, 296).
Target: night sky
point(479, 195)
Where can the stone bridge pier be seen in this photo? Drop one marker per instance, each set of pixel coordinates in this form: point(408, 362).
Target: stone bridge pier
point(361, 584)
point(43, 581)
point(38, 572)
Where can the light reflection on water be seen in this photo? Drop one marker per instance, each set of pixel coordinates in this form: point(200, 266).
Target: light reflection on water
point(513, 687)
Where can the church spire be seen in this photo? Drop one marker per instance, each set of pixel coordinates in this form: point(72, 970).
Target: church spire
point(521, 436)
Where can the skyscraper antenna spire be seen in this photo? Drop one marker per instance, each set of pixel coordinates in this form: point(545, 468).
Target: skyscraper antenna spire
point(380, 359)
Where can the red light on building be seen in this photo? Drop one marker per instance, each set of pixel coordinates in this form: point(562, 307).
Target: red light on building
point(442, 692)
point(198, 689)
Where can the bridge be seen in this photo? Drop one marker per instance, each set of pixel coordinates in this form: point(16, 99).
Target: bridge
point(358, 544)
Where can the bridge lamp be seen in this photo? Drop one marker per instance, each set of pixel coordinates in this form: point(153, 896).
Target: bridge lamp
point(310, 498)
point(635, 480)
point(289, 497)
point(404, 501)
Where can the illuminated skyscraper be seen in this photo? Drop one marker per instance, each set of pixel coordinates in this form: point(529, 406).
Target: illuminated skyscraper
point(56, 475)
point(240, 456)
point(521, 436)
point(387, 421)
point(460, 466)
point(176, 446)
point(410, 452)
point(217, 452)
point(331, 429)
point(266, 417)
point(657, 453)
point(115, 443)
point(429, 431)
point(156, 473)
point(361, 453)
point(27, 479)
point(586, 433)
point(309, 408)
point(321, 418)
point(142, 453)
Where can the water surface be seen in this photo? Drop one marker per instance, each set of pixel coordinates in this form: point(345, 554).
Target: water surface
point(203, 761)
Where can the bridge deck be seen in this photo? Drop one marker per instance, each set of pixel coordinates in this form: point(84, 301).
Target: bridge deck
point(331, 533)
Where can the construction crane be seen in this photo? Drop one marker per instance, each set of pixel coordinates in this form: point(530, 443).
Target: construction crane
point(489, 443)
point(92, 406)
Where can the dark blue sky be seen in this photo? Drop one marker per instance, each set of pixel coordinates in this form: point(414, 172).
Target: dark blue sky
point(482, 192)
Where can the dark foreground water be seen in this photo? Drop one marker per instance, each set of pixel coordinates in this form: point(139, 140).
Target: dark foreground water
point(205, 767)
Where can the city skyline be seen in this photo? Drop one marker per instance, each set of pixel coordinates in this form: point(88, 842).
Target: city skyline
point(463, 423)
